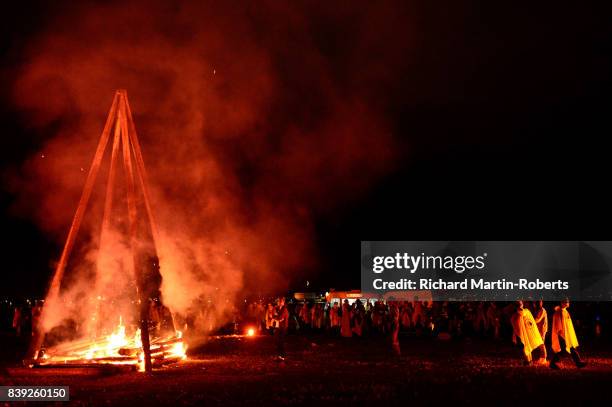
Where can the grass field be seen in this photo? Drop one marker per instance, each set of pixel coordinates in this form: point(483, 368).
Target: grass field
point(335, 371)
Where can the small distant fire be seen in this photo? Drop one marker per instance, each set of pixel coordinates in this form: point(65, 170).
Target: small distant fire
point(250, 331)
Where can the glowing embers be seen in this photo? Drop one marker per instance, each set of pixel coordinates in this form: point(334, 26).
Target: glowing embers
point(118, 348)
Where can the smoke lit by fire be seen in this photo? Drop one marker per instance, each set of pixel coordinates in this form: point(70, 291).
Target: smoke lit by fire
point(247, 132)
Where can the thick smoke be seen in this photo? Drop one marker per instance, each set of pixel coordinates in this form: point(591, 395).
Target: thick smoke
point(253, 118)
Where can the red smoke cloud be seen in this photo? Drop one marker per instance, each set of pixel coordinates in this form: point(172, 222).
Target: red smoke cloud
point(252, 117)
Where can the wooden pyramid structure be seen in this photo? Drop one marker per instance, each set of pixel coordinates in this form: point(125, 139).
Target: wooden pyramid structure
point(125, 148)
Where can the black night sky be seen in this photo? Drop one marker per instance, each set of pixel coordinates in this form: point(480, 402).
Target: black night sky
point(501, 113)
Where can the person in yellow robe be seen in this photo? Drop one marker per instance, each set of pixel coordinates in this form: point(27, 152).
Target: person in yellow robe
point(564, 338)
point(524, 327)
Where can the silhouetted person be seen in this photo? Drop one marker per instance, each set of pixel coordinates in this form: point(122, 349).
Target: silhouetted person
point(345, 325)
point(564, 338)
point(269, 318)
point(541, 319)
point(334, 317)
point(281, 320)
point(17, 320)
point(493, 320)
point(395, 328)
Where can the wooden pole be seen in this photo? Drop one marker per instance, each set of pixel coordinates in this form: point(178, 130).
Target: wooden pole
point(108, 202)
point(132, 212)
point(142, 174)
point(106, 217)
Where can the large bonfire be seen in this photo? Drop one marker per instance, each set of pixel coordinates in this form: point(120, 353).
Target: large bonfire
point(123, 320)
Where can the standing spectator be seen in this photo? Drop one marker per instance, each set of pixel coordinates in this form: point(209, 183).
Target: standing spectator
point(314, 316)
point(541, 319)
point(269, 317)
point(345, 327)
point(17, 320)
point(357, 318)
point(318, 316)
point(493, 319)
point(305, 315)
point(334, 317)
point(418, 315)
point(564, 338)
point(281, 319)
point(378, 316)
point(405, 316)
point(394, 328)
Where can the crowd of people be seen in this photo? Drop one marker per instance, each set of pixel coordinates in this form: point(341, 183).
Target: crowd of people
point(20, 316)
point(527, 323)
point(448, 319)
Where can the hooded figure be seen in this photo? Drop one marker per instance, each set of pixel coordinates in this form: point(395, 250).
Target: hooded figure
point(564, 338)
point(524, 327)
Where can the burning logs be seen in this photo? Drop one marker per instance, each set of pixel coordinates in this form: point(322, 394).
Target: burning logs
point(115, 349)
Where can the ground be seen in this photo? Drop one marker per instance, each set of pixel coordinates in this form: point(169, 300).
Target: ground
point(336, 371)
